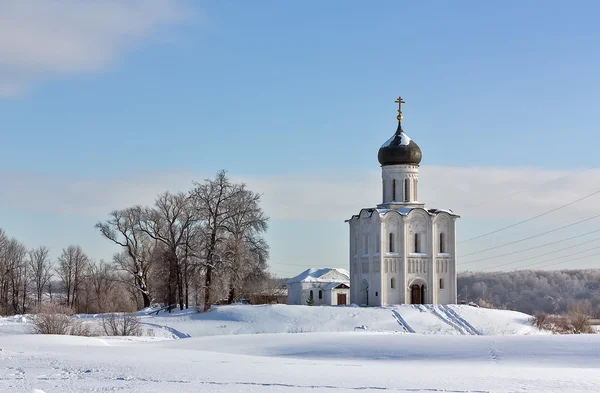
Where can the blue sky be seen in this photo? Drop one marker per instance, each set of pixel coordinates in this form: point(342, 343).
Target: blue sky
point(127, 99)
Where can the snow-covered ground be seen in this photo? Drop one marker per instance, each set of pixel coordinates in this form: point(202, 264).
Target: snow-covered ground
point(454, 349)
point(227, 320)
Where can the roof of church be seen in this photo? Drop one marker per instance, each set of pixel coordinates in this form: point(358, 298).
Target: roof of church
point(315, 275)
point(399, 150)
point(404, 211)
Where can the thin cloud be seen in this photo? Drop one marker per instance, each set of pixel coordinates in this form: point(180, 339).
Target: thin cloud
point(44, 38)
point(471, 192)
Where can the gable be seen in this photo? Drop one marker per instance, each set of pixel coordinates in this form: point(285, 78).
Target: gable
point(338, 275)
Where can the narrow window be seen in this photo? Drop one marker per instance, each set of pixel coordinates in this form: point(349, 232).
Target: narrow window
point(393, 189)
point(393, 283)
point(376, 293)
point(442, 245)
point(311, 294)
point(416, 188)
point(391, 243)
point(417, 245)
point(406, 190)
point(320, 294)
point(441, 283)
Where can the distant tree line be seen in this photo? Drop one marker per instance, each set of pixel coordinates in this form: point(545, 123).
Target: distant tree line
point(191, 248)
point(532, 291)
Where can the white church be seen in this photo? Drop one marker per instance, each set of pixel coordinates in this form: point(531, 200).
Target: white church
point(401, 252)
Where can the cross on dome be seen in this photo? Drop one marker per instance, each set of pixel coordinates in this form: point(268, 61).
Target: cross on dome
point(399, 101)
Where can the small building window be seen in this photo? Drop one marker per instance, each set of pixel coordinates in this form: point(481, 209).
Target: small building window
point(376, 293)
point(311, 294)
point(393, 283)
point(441, 283)
point(442, 243)
point(320, 294)
point(391, 242)
point(406, 190)
point(393, 189)
point(417, 243)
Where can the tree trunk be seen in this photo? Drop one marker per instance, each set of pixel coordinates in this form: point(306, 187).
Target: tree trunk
point(207, 285)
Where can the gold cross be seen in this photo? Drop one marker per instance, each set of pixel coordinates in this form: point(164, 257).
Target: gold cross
point(399, 101)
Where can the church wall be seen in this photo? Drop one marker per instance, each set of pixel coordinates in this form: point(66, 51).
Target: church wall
point(365, 263)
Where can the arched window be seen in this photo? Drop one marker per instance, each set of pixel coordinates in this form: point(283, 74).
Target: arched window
point(320, 294)
point(417, 243)
point(393, 283)
point(393, 189)
point(406, 190)
point(442, 243)
point(311, 294)
point(441, 283)
point(391, 242)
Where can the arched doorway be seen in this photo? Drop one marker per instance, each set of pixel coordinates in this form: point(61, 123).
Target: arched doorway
point(417, 293)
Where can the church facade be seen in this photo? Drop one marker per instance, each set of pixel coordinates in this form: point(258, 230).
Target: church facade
point(401, 252)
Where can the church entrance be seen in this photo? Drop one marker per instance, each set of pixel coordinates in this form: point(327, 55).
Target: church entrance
point(417, 294)
point(341, 298)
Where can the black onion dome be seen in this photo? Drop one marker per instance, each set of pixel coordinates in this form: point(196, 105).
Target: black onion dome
point(399, 150)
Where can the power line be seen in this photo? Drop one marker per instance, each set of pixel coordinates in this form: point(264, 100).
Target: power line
point(528, 249)
point(563, 256)
point(531, 218)
point(570, 260)
point(543, 255)
point(530, 237)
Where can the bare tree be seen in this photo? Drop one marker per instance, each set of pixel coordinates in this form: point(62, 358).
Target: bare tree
point(169, 223)
point(101, 279)
point(71, 270)
point(247, 251)
point(124, 229)
point(13, 274)
point(41, 270)
point(213, 200)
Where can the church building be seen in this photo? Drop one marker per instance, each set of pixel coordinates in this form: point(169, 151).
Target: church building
point(401, 252)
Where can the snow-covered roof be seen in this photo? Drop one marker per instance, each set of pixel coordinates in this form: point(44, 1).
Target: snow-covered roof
point(404, 140)
point(404, 211)
point(316, 275)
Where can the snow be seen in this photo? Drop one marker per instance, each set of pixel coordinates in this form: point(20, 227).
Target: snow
point(404, 140)
point(314, 275)
point(455, 348)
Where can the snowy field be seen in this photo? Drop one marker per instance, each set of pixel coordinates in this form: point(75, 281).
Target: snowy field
point(306, 349)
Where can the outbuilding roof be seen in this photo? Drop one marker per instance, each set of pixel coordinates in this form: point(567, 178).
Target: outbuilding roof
point(317, 275)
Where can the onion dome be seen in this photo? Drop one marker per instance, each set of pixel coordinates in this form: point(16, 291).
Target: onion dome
point(399, 149)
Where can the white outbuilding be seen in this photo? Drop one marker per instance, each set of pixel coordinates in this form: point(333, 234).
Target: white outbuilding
point(328, 286)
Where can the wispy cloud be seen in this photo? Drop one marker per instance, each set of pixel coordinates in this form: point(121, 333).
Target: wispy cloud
point(44, 38)
point(472, 192)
